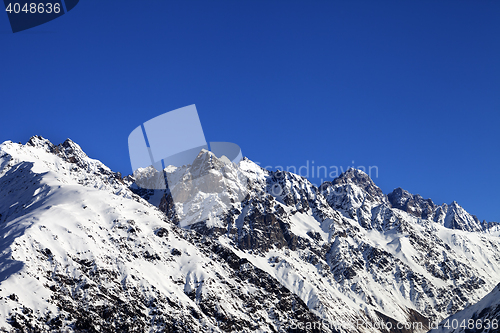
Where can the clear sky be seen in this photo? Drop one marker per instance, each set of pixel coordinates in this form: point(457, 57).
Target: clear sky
point(411, 87)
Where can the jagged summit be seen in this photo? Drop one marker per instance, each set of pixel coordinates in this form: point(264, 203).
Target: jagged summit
point(354, 194)
point(459, 218)
point(451, 216)
point(353, 175)
point(359, 178)
point(67, 158)
point(412, 204)
point(68, 150)
point(204, 162)
point(39, 141)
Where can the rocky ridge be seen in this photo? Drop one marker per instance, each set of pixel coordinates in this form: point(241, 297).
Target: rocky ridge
point(106, 254)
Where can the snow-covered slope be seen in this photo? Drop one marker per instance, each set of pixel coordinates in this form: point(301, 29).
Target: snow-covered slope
point(85, 249)
point(484, 316)
point(82, 252)
point(354, 242)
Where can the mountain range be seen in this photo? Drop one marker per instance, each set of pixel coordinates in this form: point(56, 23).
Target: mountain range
point(230, 248)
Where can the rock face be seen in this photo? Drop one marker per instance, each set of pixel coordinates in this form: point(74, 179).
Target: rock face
point(363, 181)
point(452, 216)
point(484, 316)
point(412, 204)
point(245, 250)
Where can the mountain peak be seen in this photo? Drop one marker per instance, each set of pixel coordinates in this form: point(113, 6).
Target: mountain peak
point(359, 178)
point(204, 162)
point(68, 149)
point(38, 141)
point(413, 204)
point(70, 144)
point(353, 175)
point(459, 218)
point(451, 216)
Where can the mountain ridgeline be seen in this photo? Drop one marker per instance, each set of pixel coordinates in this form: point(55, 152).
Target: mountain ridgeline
point(229, 248)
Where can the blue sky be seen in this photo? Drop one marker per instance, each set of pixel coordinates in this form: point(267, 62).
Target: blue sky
point(412, 88)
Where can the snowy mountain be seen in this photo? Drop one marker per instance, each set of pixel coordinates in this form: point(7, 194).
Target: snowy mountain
point(483, 316)
point(452, 217)
point(244, 250)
